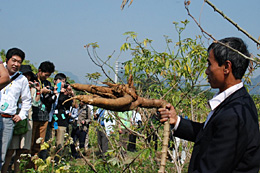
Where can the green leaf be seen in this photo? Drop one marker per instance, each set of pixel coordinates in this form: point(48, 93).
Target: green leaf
point(167, 63)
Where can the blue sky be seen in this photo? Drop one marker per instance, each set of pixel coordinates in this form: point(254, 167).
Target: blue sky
point(57, 30)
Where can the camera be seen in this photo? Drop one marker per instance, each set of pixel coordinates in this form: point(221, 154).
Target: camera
point(51, 88)
point(66, 85)
point(51, 93)
point(33, 85)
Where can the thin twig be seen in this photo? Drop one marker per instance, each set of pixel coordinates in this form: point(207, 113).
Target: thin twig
point(232, 22)
point(87, 161)
point(127, 167)
point(101, 66)
point(216, 41)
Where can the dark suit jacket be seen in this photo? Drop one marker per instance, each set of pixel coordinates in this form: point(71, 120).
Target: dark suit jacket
point(230, 142)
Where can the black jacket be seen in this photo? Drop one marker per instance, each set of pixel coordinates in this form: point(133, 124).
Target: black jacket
point(230, 142)
point(63, 110)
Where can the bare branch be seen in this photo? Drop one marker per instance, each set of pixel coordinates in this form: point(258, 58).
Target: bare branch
point(232, 22)
point(125, 2)
point(256, 60)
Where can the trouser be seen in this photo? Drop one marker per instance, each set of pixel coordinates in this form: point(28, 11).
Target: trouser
point(102, 141)
point(6, 136)
point(39, 131)
point(77, 134)
point(43, 154)
point(59, 135)
point(17, 157)
point(132, 143)
point(123, 138)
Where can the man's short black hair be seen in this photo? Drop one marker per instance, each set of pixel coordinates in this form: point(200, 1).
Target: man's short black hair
point(47, 66)
point(15, 51)
point(60, 76)
point(223, 53)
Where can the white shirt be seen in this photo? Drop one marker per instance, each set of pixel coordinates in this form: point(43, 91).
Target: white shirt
point(11, 94)
point(109, 121)
point(136, 117)
point(216, 101)
point(74, 113)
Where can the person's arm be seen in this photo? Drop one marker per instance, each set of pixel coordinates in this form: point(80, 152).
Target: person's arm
point(36, 89)
point(26, 102)
point(89, 114)
point(4, 76)
point(183, 128)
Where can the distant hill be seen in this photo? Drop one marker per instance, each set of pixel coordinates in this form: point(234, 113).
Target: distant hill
point(71, 76)
point(253, 88)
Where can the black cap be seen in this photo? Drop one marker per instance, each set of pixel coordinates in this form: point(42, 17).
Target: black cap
point(26, 69)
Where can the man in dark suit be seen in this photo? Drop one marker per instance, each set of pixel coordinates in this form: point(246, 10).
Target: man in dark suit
point(229, 140)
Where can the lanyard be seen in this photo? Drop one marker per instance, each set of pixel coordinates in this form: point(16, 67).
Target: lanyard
point(41, 84)
point(6, 89)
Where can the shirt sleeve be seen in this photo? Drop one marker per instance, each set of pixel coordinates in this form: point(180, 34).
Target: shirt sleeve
point(26, 100)
point(34, 102)
point(177, 124)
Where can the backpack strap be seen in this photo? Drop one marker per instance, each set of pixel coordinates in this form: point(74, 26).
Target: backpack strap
point(15, 76)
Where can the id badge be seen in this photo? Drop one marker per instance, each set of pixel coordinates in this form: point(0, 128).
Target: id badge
point(63, 116)
point(4, 106)
point(55, 125)
point(43, 107)
point(55, 117)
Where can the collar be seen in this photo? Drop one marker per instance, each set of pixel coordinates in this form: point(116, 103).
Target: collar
point(219, 98)
point(14, 74)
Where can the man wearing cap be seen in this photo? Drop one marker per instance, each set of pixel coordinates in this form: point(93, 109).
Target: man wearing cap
point(17, 88)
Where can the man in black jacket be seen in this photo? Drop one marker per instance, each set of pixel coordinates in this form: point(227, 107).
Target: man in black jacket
point(42, 109)
point(61, 112)
point(229, 140)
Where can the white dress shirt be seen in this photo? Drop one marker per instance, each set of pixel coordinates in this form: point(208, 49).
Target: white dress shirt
point(11, 94)
point(216, 101)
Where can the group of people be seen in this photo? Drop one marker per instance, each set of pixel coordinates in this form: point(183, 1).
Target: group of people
point(30, 99)
point(31, 108)
point(228, 141)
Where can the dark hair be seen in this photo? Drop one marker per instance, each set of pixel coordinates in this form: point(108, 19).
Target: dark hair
point(223, 53)
point(27, 70)
point(47, 66)
point(15, 51)
point(60, 76)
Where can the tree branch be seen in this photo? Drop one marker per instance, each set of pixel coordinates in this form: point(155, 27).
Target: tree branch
point(232, 22)
point(256, 60)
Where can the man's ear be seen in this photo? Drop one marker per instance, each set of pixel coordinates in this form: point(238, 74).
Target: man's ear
point(228, 67)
